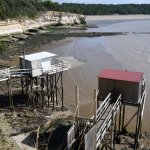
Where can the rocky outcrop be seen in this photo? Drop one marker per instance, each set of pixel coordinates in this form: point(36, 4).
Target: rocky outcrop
point(49, 18)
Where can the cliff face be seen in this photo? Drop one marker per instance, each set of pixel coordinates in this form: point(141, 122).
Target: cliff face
point(49, 18)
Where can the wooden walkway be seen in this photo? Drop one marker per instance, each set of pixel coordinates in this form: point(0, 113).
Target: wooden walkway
point(105, 116)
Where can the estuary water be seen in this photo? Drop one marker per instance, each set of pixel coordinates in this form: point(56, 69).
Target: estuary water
point(129, 51)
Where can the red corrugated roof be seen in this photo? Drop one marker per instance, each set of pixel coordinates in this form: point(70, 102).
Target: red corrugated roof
point(122, 75)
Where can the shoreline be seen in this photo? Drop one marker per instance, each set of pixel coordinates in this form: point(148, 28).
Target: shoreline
point(16, 26)
point(117, 17)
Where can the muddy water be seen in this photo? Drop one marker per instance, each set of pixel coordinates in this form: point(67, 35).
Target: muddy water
point(118, 52)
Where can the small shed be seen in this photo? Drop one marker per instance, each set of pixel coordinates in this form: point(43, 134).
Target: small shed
point(124, 82)
point(38, 63)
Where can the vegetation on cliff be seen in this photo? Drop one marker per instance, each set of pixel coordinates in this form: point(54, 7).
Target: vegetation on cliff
point(31, 8)
point(3, 47)
point(19, 8)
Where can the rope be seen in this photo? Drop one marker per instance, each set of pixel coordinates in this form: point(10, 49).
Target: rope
point(71, 47)
point(76, 83)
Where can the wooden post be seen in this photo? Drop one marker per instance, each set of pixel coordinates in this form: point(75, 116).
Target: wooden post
point(123, 118)
point(77, 101)
point(56, 89)
point(36, 96)
point(31, 94)
point(112, 131)
point(120, 114)
point(62, 90)
point(28, 80)
point(50, 82)
point(115, 127)
point(53, 94)
point(42, 90)
point(22, 85)
point(136, 130)
point(95, 104)
point(47, 80)
point(10, 90)
point(10, 94)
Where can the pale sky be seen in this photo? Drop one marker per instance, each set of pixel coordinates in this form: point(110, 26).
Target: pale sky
point(105, 1)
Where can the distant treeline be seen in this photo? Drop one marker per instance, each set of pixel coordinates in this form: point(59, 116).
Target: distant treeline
point(31, 8)
point(101, 9)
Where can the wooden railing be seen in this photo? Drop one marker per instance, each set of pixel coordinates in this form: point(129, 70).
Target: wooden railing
point(7, 73)
point(18, 72)
point(4, 74)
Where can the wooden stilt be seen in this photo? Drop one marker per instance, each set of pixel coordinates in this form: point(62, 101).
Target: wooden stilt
point(136, 130)
point(42, 90)
point(10, 94)
point(77, 101)
point(62, 90)
point(36, 90)
point(95, 104)
point(53, 95)
point(112, 131)
point(22, 85)
point(31, 94)
point(56, 89)
point(48, 95)
point(115, 130)
point(123, 118)
point(120, 118)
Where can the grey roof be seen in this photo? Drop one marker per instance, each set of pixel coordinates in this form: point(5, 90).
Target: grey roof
point(39, 55)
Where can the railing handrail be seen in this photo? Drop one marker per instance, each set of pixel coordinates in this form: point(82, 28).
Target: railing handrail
point(103, 107)
point(105, 125)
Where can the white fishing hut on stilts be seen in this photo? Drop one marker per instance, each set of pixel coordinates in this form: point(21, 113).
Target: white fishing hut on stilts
point(41, 77)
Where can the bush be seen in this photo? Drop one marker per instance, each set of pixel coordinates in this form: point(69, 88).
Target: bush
point(3, 47)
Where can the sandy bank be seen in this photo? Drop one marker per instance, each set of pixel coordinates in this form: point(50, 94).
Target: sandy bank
point(134, 26)
point(117, 17)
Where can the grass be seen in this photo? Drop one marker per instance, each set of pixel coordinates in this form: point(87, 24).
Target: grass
point(6, 142)
point(3, 47)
